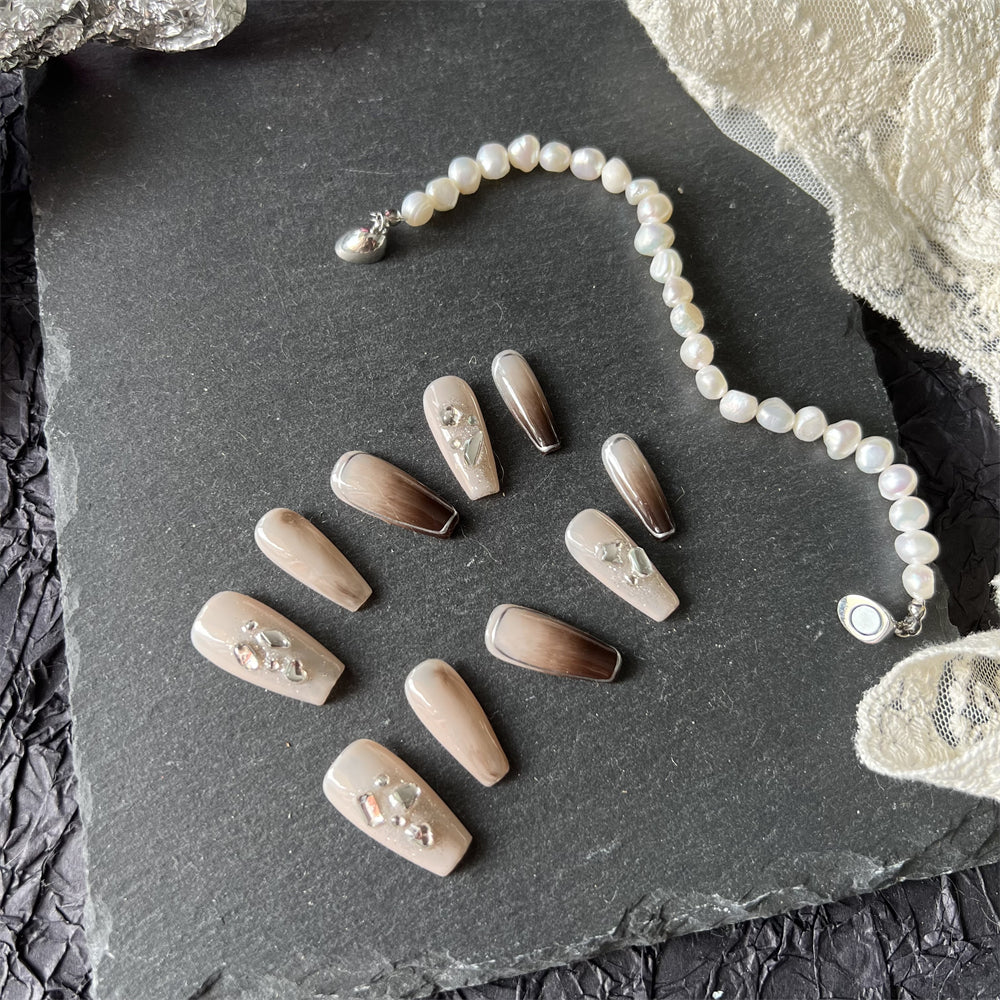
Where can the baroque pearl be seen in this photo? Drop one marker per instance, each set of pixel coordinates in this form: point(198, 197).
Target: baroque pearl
point(874, 454)
point(652, 237)
point(677, 290)
point(417, 208)
point(654, 208)
point(711, 382)
point(775, 415)
point(665, 264)
point(554, 157)
point(842, 438)
point(493, 161)
point(615, 176)
point(465, 172)
point(740, 407)
point(917, 547)
point(909, 514)
point(810, 422)
point(523, 152)
point(686, 319)
point(587, 163)
point(443, 193)
point(697, 351)
point(897, 481)
point(918, 581)
point(641, 187)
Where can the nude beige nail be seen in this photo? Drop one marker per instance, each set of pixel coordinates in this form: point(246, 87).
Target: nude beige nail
point(455, 420)
point(453, 716)
point(384, 797)
point(519, 389)
point(252, 641)
point(637, 483)
point(603, 549)
point(297, 546)
point(538, 641)
point(378, 488)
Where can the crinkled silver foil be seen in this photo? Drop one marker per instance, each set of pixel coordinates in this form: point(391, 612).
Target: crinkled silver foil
point(32, 31)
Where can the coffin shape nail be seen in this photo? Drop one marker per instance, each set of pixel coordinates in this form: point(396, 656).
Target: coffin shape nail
point(384, 797)
point(378, 488)
point(537, 641)
point(523, 396)
point(637, 483)
point(252, 641)
point(603, 549)
point(298, 547)
point(453, 716)
point(455, 420)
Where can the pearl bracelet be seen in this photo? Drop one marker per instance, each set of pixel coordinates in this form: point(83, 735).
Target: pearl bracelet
point(863, 617)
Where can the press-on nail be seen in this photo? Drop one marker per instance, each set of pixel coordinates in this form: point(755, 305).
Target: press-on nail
point(378, 488)
point(252, 641)
point(453, 716)
point(520, 390)
point(455, 420)
point(299, 548)
point(384, 797)
point(606, 552)
point(531, 639)
point(637, 483)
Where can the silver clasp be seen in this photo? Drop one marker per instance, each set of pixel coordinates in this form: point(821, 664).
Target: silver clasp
point(367, 244)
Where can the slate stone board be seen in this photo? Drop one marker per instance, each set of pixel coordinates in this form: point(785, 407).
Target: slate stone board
point(210, 358)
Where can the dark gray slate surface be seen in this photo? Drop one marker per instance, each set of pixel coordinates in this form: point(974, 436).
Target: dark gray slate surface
point(211, 358)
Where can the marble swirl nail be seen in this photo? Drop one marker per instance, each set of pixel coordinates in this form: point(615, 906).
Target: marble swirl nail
point(378, 488)
point(443, 702)
point(637, 483)
point(523, 396)
point(385, 798)
point(537, 641)
point(252, 641)
point(297, 546)
point(455, 420)
point(607, 553)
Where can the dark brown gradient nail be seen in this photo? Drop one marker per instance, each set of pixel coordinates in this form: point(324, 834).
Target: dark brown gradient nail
point(637, 483)
point(523, 395)
point(531, 639)
point(378, 488)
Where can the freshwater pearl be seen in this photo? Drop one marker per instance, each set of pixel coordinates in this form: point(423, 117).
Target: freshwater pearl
point(711, 382)
point(842, 438)
point(493, 161)
point(897, 481)
point(587, 163)
point(555, 157)
point(918, 581)
point(443, 193)
point(874, 454)
point(465, 172)
point(523, 152)
point(909, 514)
point(740, 407)
point(686, 319)
point(654, 208)
point(651, 237)
point(697, 351)
point(615, 176)
point(641, 187)
point(917, 547)
point(417, 208)
point(775, 415)
point(810, 422)
point(676, 291)
point(665, 264)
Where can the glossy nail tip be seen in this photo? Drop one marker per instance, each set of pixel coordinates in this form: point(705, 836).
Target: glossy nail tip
point(635, 480)
point(386, 799)
point(603, 549)
point(523, 396)
point(253, 642)
point(298, 547)
point(443, 702)
point(537, 641)
point(379, 488)
point(455, 420)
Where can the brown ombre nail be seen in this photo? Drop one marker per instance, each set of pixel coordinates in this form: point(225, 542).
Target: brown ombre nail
point(378, 488)
point(537, 641)
point(523, 396)
point(637, 483)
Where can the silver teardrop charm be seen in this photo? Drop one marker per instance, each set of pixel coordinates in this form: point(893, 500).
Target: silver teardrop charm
point(361, 246)
point(865, 619)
